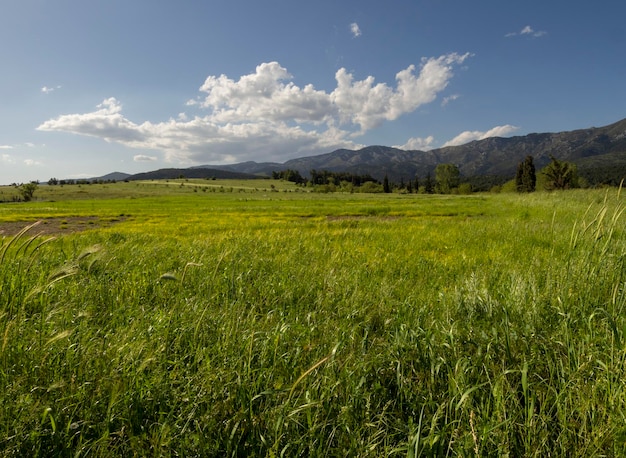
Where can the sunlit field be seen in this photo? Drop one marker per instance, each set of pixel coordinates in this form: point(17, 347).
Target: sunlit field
point(214, 318)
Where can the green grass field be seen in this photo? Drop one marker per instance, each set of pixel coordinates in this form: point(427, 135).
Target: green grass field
point(217, 318)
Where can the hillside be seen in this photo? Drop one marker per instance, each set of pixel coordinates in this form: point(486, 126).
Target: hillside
point(206, 173)
point(600, 154)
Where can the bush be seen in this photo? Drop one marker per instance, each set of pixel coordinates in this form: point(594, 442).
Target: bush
point(27, 190)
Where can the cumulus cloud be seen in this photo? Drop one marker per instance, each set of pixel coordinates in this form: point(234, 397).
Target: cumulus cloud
point(365, 104)
point(32, 163)
point(417, 143)
point(528, 30)
point(264, 114)
point(6, 147)
point(7, 159)
point(144, 158)
point(264, 95)
point(468, 136)
point(106, 122)
point(355, 30)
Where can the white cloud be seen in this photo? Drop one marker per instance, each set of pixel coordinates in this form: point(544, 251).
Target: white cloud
point(48, 90)
point(264, 95)
point(144, 158)
point(355, 30)
point(7, 159)
point(468, 136)
point(32, 163)
point(265, 115)
point(368, 105)
point(27, 145)
point(416, 143)
point(107, 123)
point(448, 99)
point(527, 30)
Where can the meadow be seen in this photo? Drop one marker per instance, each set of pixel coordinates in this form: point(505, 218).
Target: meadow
point(197, 318)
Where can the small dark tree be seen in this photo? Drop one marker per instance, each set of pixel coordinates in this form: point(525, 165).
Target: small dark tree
point(560, 175)
point(416, 184)
point(386, 187)
point(526, 178)
point(429, 186)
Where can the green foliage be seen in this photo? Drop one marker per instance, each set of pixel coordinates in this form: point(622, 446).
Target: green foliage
point(465, 188)
point(324, 177)
point(560, 175)
point(447, 177)
point(27, 190)
point(302, 324)
point(509, 186)
point(370, 187)
point(526, 178)
point(289, 175)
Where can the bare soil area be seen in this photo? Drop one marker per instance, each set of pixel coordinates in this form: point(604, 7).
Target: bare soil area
point(55, 226)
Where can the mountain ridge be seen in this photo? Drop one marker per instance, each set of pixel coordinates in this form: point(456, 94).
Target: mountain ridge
point(594, 148)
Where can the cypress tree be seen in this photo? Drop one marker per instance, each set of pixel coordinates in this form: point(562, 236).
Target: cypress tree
point(386, 187)
point(526, 178)
point(428, 184)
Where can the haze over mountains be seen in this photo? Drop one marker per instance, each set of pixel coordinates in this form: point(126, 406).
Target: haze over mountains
point(597, 151)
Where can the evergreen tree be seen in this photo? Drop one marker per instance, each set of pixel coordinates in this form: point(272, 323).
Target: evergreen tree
point(560, 175)
point(428, 184)
point(386, 187)
point(526, 178)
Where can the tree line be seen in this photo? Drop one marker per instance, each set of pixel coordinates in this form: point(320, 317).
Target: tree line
point(447, 179)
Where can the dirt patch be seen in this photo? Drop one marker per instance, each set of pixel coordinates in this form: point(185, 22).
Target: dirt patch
point(363, 217)
point(56, 226)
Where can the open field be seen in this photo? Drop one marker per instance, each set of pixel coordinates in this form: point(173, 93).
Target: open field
point(155, 319)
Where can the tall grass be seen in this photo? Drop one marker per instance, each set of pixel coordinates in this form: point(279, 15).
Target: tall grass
point(436, 327)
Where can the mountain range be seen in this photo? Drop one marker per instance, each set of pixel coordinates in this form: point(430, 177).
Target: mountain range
point(599, 153)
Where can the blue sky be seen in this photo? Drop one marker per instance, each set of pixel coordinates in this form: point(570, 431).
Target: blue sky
point(91, 87)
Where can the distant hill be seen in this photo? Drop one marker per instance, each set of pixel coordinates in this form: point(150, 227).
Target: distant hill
point(599, 152)
point(206, 173)
point(250, 167)
point(114, 176)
